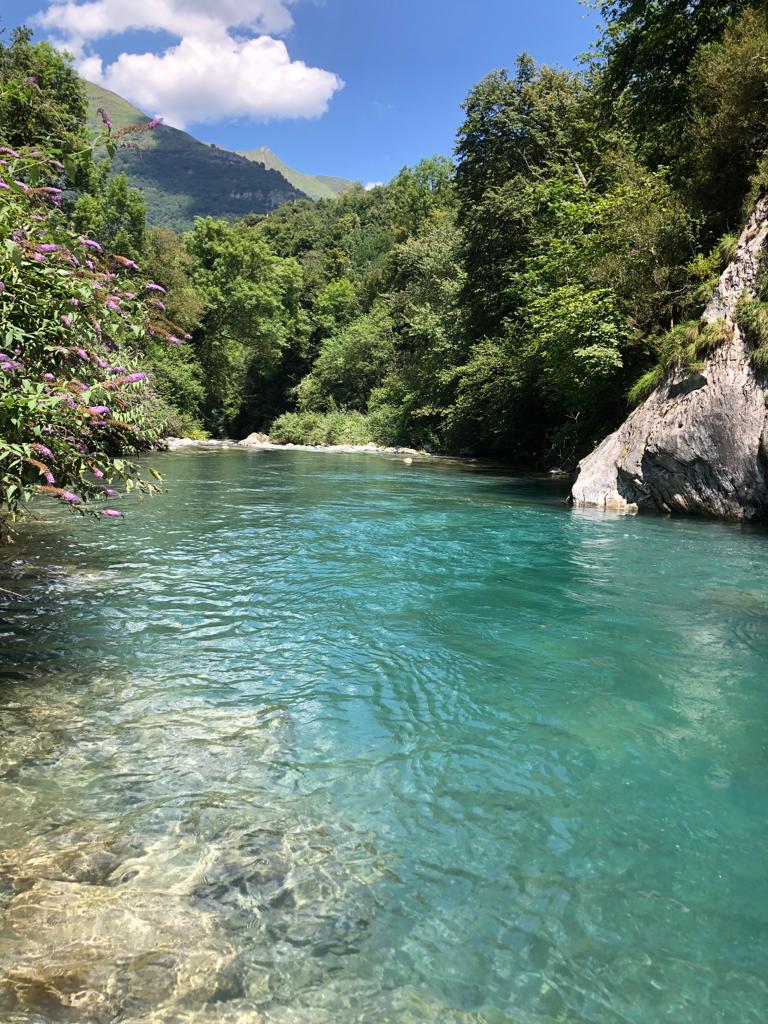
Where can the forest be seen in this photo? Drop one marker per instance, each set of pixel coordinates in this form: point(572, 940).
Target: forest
point(512, 300)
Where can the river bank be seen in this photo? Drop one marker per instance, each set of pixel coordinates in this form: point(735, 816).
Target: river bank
point(261, 442)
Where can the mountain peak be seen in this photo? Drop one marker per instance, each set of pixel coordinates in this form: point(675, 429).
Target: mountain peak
point(182, 178)
point(316, 186)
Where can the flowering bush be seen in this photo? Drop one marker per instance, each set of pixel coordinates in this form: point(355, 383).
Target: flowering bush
point(75, 403)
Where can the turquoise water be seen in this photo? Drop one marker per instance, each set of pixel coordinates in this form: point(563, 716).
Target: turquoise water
point(332, 740)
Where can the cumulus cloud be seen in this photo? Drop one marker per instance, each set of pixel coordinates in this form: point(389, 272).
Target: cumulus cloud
point(218, 69)
point(77, 23)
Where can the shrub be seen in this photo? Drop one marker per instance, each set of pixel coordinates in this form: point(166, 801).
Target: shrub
point(74, 401)
point(314, 428)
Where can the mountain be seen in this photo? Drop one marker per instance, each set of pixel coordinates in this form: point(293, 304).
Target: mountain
point(182, 178)
point(316, 186)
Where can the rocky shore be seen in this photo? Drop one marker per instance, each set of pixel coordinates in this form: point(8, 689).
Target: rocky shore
point(263, 443)
point(699, 444)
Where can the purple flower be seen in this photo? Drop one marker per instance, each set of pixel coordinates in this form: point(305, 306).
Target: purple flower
point(70, 498)
point(110, 513)
point(2, 287)
point(75, 303)
point(90, 244)
point(4, 184)
point(125, 262)
point(117, 370)
point(172, 340)
point(22, 186)
point(66, 320)
point(10, 152)
point(48, 376)
point(113, 306)
point(48, 247)
point(98, 410)
point(98, 473)
point(108, 491)
point(160, 305)
point(154, 123)
point(134, 378)
point(152, 287)
point(83, 355)
point(89, 264)
point(48, 476)
point(42, 450)
point(105, 118)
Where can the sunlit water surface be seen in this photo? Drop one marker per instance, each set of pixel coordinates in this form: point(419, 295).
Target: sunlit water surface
point(331, 739)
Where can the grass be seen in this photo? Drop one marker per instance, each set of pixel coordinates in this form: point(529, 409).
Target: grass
point(685, 345)
point(752, 318)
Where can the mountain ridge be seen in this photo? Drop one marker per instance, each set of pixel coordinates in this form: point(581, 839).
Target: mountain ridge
point(316, 186)
point(182, 178)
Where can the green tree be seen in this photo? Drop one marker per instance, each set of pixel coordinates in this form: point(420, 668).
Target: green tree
point(251, 318)
point(113, 212)
point(726, 134)
point(42, 99)
point(517, 131)
point(350, 364)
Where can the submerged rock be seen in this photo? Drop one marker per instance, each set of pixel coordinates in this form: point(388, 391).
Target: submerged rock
point(102, 953)
point(699, 443)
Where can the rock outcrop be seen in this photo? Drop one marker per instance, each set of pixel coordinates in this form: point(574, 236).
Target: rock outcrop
point(699, 444)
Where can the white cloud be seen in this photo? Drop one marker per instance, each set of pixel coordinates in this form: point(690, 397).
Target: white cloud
point(212, 73)
point(76, 23)
point(373, 184)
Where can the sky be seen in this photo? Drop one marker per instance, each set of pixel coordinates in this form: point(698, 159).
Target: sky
point(355, 88)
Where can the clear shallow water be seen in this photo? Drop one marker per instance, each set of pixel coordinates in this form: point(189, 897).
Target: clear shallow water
point(328, 739)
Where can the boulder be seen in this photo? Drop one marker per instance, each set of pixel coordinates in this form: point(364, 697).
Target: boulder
point(699, 444)
point(255, 440)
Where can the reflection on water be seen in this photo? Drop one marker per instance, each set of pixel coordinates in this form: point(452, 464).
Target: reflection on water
point(332, 740)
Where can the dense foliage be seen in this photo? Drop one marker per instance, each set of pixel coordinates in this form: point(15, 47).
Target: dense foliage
point(513, 301)
point(74, 402)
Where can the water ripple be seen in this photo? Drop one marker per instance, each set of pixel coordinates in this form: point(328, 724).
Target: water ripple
point(338, 741)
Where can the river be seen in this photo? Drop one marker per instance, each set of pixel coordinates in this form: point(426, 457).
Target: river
point(326, 739)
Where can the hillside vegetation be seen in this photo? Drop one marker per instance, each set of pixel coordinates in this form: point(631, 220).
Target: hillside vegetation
point(315, 186)
point(182, 178)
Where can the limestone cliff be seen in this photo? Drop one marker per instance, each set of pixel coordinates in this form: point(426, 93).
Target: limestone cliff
point(699, 443)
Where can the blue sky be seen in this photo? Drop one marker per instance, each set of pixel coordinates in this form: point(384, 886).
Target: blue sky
point(246, 73)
